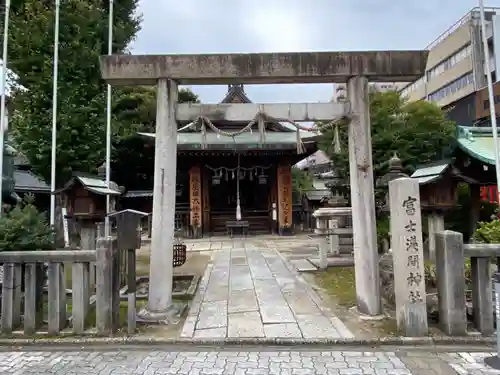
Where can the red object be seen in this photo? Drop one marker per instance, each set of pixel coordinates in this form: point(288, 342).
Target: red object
point(489, 193)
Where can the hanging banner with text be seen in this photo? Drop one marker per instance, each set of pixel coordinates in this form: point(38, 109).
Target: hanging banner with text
point(195, 196)
point(284, 177)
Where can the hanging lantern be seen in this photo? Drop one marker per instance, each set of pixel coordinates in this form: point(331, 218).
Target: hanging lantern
point(262, 179)
point(216, 179)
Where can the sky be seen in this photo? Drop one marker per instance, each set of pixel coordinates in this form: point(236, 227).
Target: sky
point(239, 26)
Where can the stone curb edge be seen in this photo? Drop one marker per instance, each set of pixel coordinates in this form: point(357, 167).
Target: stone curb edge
point(139, 341)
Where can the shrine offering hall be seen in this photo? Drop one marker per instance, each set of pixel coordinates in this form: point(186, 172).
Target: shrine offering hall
point(242, 182)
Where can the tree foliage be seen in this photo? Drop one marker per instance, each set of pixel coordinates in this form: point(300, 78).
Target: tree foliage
point(25, 229)
point(417, 131)
point(81, 103)
point(133, 155)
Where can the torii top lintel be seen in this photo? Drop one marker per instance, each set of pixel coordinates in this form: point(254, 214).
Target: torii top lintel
point(265, 68)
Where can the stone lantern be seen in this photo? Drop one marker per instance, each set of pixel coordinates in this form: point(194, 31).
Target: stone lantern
point(396, 170)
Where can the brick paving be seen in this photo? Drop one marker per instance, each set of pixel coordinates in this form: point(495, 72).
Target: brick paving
point(153, 362)
point(255, 292)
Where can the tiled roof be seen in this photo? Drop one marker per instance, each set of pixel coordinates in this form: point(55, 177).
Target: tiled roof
point(26, 181)
point(236, 94)
point(430, 173)
point(477, 142)
point(287, 139)
point(318, 158)
point(94, 184)
point(318, 195)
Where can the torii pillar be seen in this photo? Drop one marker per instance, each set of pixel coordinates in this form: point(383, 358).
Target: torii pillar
point(364, 224)
point(159, 307)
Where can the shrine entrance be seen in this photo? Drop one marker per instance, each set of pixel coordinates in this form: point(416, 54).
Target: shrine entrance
point(239, 192)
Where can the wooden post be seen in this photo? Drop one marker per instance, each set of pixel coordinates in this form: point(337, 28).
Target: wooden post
point(8, 298)
point(80, 296)
point(104, 286)
point(33, 314)
point(128, 240)
point(88, 241)
point(57, 298)
point(131, 281)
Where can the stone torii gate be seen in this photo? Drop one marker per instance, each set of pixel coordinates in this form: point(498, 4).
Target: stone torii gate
point(166, 72)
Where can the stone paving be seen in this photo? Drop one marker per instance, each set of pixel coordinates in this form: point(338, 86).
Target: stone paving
point(260, 362)
point(251, 292)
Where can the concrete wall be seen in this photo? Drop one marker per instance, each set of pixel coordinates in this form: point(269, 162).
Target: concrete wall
point(453, 43)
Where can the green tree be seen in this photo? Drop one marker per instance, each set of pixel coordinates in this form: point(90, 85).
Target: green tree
point(417, 131)
point(133, 155)
point(82, 92)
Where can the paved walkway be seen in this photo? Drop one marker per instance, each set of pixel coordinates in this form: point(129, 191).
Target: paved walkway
point(251, 292)
point(262, 362)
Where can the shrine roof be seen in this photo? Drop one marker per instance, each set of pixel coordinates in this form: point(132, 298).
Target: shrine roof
point(426, 174)
point(318, 158)
point(477, 142)
point(281, 140)
point(27, 181)
point(318, 194)
point(93, 184)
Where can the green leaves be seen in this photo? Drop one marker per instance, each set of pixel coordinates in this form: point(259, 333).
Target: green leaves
point(488, 232)
point(417, 131)
point(81, 116)
point(25, 229)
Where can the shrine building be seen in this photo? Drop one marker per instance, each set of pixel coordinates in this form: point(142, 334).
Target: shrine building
point(216, 170)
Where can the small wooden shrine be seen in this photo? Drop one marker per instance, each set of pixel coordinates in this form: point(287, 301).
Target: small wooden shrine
point(237, 178)
point(84, 197)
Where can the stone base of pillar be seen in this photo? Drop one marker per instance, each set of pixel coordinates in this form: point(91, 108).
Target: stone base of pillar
point(362, 316)
point(171, 316)
point(285, 231)
point(197, 232)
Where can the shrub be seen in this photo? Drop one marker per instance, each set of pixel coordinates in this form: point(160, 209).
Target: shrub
point(25, 229)
point(488, 232)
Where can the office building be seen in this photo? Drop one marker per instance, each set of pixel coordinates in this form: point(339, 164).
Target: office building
point(455, 67)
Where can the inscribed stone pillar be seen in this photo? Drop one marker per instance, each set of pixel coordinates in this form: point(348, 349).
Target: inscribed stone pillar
point(363, 199)
point(162, 237)
point(408, 257)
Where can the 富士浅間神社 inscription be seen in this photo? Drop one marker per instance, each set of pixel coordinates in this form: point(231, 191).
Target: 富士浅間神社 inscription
point(414, 277)
point(407, 248)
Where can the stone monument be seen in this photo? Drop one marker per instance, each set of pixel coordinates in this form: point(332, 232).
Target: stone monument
point(408, 257)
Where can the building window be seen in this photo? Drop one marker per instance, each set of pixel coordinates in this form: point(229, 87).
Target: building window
point(450, 62)
point(452, 87)
point(413, 86)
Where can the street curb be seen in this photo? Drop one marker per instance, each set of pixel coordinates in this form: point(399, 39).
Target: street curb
point(148, 341)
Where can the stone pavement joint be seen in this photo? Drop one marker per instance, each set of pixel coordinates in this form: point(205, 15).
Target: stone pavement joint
point(249, 292)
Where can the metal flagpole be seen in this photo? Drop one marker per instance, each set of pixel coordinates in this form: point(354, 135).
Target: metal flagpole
point(493, 361)
point(54, 117)
point(490, 95)
point(107, 231)
point(4, 94)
